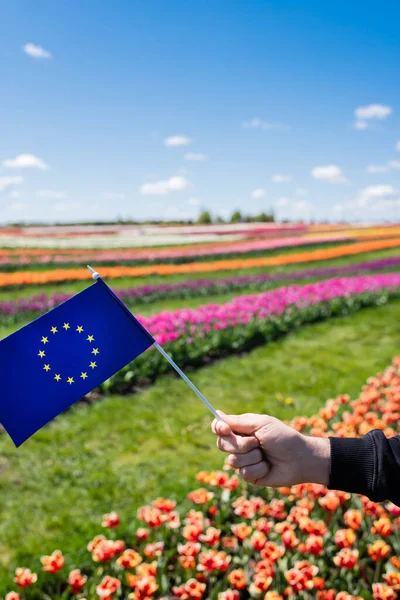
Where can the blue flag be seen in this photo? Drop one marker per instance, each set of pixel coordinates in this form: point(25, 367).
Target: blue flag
point(60, 357)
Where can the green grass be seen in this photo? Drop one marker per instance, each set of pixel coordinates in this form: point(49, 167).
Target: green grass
point(124, 451)
point(77, 286)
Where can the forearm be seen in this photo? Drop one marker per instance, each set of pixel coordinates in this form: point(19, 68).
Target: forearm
point(369, 465)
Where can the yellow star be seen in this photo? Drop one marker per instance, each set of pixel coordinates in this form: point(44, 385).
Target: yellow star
point(66, 326)
point(41, 353)
point(70, 380)
point(47, 368)
point(93, 365)
point(57, 377)
point(79, 329)
point(45, 340)
point(84, 375)
point(54, 330)
point(95, 351)
point(90, 338)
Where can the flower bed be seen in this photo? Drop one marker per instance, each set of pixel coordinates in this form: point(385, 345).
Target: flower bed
point(20, 278)
point(196, 336)
point(171, 255)
point(24, 308)
point(230, 541)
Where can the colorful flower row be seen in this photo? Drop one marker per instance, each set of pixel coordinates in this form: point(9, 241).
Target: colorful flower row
point(173, 255)
point(213, 331)
point(20, 278)
point(121, 236)
point(231, 541)
point(23, 308)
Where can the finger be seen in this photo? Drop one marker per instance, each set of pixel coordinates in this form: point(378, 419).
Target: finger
point(244, 460)
point(237, 444)
point(254, 473)
point(220, 427)
point(247, 423)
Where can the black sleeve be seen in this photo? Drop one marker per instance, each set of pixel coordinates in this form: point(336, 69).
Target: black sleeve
point(369, 465)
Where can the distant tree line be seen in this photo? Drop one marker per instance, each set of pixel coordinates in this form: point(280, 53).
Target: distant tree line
point(205, 217)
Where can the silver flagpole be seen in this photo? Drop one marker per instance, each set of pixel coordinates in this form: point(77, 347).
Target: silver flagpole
point(156, 345)
point(187, 380)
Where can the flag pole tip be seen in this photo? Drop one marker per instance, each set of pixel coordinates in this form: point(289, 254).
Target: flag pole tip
point(94, 273)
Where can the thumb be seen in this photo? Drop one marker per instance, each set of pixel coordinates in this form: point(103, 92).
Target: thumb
point(245, 424)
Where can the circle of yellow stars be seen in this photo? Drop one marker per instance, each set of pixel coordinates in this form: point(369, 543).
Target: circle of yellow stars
point(47, 367)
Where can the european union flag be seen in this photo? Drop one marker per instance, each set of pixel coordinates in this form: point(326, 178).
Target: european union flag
point(54, 361)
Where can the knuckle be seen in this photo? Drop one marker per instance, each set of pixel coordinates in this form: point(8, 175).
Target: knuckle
point(234, 460)
point(245, 473)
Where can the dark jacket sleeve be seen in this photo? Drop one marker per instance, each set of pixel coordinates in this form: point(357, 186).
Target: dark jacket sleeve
point(369, 465)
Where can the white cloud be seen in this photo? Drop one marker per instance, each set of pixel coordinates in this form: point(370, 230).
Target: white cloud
point(373, 203)
point(293, 209)
point(329, 173)
point(114, 196)
point(392, 164)
point(17, 206)
point(373, 111)
point(360, 124)
point(281, 178)
point(256, 123)
point(6, 182)
point(282, 202)
point(177, 140)
point(161, 188)
point(258, 193)
point(15, 194)
point(301, 192)
point(56, 194)
point(36, 51)
point(194, 201)
point(377, 169)
point(195, 156)
point(374, 194)
point(23, 161)
point(398, 146)
point(66, 206)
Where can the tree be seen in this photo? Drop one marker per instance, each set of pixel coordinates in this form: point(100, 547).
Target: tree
point(204, 218)
point(236, 217)
point(264, 218)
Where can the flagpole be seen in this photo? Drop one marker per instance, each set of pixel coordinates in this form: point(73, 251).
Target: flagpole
point(187, 380)
point(156, 345)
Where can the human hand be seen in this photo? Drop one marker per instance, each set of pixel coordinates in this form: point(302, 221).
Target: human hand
point(267, 452)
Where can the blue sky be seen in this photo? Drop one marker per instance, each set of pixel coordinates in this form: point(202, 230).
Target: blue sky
point(160, 108)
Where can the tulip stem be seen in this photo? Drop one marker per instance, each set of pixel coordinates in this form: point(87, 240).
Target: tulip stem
point(377, 571)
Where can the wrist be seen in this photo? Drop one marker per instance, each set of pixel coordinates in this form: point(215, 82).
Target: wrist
point(317, 458)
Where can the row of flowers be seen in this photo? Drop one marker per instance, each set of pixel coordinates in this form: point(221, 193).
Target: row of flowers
point(196, 336)
point(230, 541)
point(315, 233)
point(131, 236)
point(170, 255)
point(20, 278)
point(193, 337)
point(22, 308)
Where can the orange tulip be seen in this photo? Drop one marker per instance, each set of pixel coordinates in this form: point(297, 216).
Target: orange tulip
point(24, 577)
point(346, 558)
point(379, 550)
point(53, 563)
point(237, 579)
point(380, 591)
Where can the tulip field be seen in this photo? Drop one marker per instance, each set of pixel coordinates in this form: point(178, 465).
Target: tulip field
point(125, 495)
